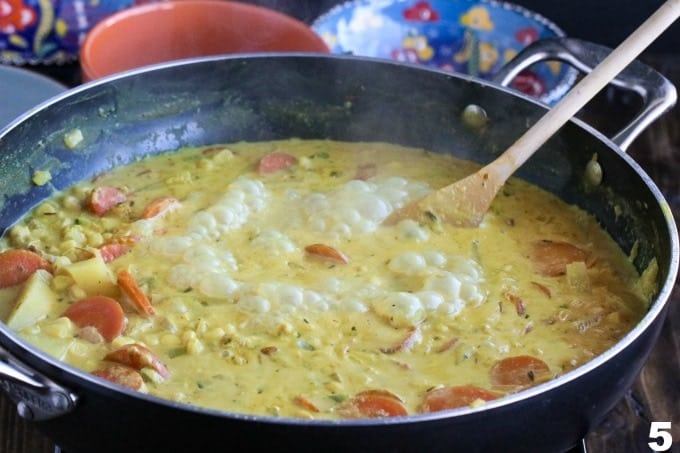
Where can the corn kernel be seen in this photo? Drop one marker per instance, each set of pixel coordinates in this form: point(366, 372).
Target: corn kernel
point(201, 326)
point(61, 282)
point(121, 341)
point(76, 292)
point(73, 138)
point(61, 261)
point(59, 328)
point(194, 346)
point(214, 335)
point(20, 234)
point(188, 335)
point(94, 239)
point(151, 375)
point(151, 339)
point(41, 177)
point(71, 203)
point(46, 209)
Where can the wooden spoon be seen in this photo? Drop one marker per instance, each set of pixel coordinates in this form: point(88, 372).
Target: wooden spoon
point(465, 202)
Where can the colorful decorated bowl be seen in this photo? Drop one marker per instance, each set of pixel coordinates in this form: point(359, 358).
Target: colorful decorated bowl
point(474, 37)
point(50, 31)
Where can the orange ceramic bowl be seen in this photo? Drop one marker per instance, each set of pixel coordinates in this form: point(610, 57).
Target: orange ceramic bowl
point(172, 30)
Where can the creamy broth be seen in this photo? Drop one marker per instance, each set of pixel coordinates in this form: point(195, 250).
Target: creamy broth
point(275, 289)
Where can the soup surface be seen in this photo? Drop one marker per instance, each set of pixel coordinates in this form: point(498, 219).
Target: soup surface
point(259, 278)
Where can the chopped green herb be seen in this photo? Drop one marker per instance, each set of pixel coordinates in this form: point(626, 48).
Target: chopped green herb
point(176, 352)
point(338, 398)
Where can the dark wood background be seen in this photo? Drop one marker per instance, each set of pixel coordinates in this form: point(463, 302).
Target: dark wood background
point(655, 395)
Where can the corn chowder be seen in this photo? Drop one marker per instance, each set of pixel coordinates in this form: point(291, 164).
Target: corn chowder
point(259, 278)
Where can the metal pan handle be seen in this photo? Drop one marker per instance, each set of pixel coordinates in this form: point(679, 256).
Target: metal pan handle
point(657, 92)
point(37, 397)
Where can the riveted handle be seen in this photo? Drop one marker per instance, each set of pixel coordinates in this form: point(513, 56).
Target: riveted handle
point(657, 92)
point(37, 397)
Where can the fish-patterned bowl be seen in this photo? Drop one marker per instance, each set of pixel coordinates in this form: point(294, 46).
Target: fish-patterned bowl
point(475, 37)
point(50, 31)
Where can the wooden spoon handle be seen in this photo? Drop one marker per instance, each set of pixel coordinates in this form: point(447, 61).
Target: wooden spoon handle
point(586, 89)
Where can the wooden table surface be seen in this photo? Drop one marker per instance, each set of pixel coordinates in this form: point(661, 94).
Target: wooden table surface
point(655, 395)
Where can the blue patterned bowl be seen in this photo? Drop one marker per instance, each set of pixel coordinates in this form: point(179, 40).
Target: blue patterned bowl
point(50, 31)
point(467, 36)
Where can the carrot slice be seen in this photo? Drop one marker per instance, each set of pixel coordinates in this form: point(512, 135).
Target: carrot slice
point(373, 404)
point(521, 370)
point(274, 162)
point(159, 207)
point(413, 337)
point(380, 392)
point(121, 375)
point(305, 403)
point(110, 252)
point(518, 302)
point(101, 312)
point(117, 247)
point(447, 345)
point(17, 265)
point(137, 356)
point(327, 252)
point(269, 350)
point(542, 288)
point(551, 257)
point(130, 287)
point(455, 396)
point(103, 198)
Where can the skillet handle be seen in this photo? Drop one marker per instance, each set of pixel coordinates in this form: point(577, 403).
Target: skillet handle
point(37, 397)
point(657, 92)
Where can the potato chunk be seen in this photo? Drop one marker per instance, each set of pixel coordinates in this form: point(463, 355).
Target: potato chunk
point(8, 297)
point(34, 302)
point(93, 276)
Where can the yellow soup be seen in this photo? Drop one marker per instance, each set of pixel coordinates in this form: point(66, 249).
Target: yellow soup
point(259, 278)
